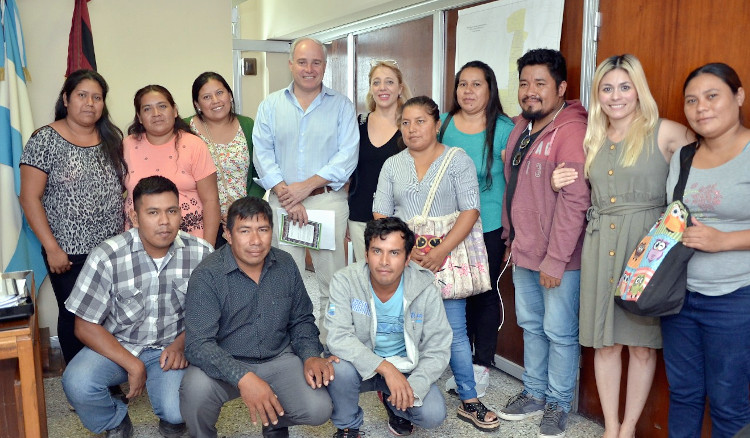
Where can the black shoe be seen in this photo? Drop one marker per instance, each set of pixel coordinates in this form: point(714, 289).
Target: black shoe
point(124, 430)
point(278, 432)
point(348, 433)
point(116, 392)
point(170, 430)
point(397, 425)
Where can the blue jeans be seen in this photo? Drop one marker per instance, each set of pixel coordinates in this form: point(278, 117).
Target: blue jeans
point(549, 319)
point(89, 375)
point(707, 353)
point(461, 361)
point(348, 384)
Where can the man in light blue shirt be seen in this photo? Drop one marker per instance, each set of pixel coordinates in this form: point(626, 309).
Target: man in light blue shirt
point(306, 144)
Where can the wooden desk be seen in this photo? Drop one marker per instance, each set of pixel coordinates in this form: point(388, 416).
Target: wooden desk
point(20, 340)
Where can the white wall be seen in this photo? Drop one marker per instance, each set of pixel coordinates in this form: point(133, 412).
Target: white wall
point(288, 19)
point(137, 42)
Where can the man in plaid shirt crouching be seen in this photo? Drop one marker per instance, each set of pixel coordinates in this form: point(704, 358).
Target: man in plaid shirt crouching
point(129, 306)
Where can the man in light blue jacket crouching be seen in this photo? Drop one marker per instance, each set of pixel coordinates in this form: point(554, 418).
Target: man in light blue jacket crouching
point(387, 324)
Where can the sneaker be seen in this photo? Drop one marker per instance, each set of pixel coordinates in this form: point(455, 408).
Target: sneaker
point(124, 430)
point(553, 422)
point(348, 433)
point(521, 406)
point(275, 432)
point(397, 425)
point(170, 430)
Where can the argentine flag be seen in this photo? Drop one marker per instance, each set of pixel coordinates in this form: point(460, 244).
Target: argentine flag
point(19, 247)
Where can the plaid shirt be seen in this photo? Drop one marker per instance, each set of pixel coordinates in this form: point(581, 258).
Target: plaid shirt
point(140, 303)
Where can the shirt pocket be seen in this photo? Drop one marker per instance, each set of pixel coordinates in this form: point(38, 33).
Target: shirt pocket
point(178, 293)
point(129, 306)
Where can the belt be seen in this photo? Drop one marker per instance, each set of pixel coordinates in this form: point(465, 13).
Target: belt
point(321, 190)
point(593, 214)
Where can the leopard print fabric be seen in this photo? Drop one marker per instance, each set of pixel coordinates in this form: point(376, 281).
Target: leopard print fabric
point(83, 198)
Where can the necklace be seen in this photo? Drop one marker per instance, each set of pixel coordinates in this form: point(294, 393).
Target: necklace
point(208, 131)
point(214, 152)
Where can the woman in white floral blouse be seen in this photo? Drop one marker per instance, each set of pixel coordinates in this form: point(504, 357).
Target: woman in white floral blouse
point(229, 139)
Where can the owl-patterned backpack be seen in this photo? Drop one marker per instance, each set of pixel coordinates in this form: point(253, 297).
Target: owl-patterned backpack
point(655, 277)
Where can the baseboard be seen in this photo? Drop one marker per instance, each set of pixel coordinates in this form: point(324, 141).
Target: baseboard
point(508, 367)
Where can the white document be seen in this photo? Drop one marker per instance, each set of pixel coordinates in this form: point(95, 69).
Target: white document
point(327, 219)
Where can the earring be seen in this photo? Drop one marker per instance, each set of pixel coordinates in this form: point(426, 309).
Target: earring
point(198, 110)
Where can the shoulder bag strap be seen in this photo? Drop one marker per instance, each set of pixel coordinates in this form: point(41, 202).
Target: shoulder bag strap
point(444, 127)
point(686, 161)
point(436, 181)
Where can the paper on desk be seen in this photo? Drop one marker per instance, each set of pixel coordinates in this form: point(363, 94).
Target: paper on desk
point(327, 219)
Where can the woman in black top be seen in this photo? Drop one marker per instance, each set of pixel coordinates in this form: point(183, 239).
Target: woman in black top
point(378, 140)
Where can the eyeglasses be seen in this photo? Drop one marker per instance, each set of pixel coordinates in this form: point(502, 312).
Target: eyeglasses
point(519, 154)
point(375, 62)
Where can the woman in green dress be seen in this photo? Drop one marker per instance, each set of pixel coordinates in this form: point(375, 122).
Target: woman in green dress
point(628, 151)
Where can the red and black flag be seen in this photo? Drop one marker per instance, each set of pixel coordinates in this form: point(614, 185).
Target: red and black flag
point(81, 43)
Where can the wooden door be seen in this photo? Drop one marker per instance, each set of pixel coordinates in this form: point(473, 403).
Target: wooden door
point(335, 76)
point(409, 44)
point(671, 38)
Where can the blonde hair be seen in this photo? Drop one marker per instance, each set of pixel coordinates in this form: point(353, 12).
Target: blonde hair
point(405, 92)
point(643, 124)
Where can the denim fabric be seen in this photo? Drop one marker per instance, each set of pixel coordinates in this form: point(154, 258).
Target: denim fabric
point(89, 375)
point(461, 360)
point(348, 384)
point(707, 353)
point(549, 319)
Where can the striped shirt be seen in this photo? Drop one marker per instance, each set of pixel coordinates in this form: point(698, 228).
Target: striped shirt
point(123, 289)
point(401, 194)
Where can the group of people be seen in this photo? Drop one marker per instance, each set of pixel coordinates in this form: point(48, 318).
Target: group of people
point(129, 227)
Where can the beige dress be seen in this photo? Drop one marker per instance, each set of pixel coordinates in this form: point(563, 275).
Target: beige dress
point(625, 203)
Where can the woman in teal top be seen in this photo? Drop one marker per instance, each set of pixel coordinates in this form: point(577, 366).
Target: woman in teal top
point(477, 124)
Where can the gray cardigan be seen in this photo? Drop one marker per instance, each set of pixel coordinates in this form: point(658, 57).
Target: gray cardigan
point(351, 324)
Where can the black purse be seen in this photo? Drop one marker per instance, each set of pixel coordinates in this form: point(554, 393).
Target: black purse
point(655, 278)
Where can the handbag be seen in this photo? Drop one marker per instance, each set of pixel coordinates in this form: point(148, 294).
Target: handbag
point(465, 270)
point(655, 278)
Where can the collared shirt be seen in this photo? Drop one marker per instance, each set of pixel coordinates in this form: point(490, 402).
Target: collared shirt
point(292, 144)
point(231, 321)
point(140, 303)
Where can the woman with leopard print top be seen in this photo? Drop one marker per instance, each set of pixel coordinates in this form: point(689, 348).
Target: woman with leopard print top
point(72, 174)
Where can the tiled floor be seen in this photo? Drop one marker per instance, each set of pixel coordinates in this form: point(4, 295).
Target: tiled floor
point(235, 422)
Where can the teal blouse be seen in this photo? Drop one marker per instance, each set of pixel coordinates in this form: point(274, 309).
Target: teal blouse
point(490, 200)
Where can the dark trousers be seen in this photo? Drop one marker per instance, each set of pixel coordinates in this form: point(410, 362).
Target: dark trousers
point(220, 240)
point(483, 310)
point(201, 397)
point(707, 356)
point(62, 285)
